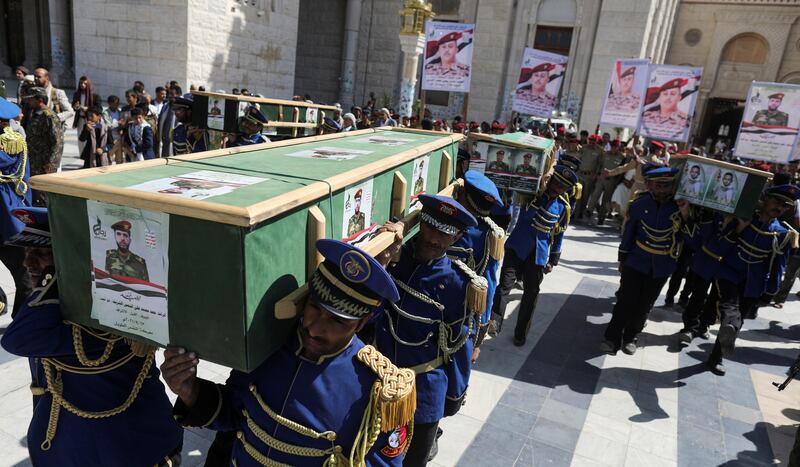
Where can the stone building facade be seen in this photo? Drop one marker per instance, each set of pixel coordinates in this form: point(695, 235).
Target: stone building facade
point(346, 50)
point(736, 42)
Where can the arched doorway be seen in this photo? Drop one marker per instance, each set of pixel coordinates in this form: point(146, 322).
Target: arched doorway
point(741, 62)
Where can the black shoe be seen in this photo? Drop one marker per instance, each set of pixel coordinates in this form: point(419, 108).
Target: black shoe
point(669, 301)
point(493, 329)
point(717, 367)
point(629, 348)
point(702, 334)
point(683, 302)
point(608, 347)
point(434, 448)
point(685, 336)
point(519, 341)
point(726, 338)
point(601, 221)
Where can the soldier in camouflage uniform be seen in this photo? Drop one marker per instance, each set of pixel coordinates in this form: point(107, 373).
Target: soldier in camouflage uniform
point(771, 115)
point(448, 66)
point(590, 156)
point(498, 165)
point(625, 100)
point(358, 220)
point(526, 168)
point(419, 183)
point(121, 261)
point(532, 87)
point(667, 120)
point(44, 137)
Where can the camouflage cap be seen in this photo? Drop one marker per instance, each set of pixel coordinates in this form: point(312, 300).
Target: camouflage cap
point(34, 91)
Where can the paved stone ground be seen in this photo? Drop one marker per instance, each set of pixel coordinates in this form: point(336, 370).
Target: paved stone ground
point(558, 401)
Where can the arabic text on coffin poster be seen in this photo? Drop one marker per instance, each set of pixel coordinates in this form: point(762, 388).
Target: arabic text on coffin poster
point(670, 102)
point(448, 56)
point(625, 93)
point(770, 123)
point(539, 82)
point(129, 269)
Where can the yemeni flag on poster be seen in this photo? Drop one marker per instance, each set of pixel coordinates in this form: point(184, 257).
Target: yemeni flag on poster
point(448, 56)
point(539, 83)
point(769, 129)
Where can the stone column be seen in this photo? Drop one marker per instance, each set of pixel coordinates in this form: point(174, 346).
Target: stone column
point(349, 53)
point(412, 46)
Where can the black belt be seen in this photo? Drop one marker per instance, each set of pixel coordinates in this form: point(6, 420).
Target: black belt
point(173, 459)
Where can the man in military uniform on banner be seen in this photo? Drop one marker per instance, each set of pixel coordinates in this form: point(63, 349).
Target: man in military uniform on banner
point(419, 183)
point(447, 65)
point(499, 164)
point(532, 87)
point(323, 398)
point(666, 118)
point(97, 397)
point(624, 99)
point(358, 220)
point(121, 261)
point(771, 115)
point(526, 168)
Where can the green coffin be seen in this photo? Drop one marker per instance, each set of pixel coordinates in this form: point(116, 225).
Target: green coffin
point(232, 256)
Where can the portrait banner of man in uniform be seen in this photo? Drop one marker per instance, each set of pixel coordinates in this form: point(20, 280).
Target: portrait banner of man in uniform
point(539, 83)
point(216, 113)
point(129, 269)
point(625, 93)
point(498, 168)
point(329, 153)
point(769, 129)
point(527, 167)
point(669, 102)
point(448, 56)
point(357, 214)
point(198, 185)
point(419, 183)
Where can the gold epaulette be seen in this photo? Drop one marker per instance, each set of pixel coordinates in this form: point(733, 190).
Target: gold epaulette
point(495, 240)
point(395, 389)
point(791, 235)
point(477, 290)
point(12, 142)
point(578, 191)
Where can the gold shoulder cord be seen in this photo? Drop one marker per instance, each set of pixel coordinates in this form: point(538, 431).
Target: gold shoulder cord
point(53, 369)
point(13, 143)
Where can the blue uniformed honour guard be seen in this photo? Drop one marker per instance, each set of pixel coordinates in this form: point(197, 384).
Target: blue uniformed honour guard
point(534, 248)
point(324, 398)
point(481, 247)
point(749, 257)
point(97, 398)
point(14, 193)
point(428, 330)
point(652, 238)
point(250, 126)
point(186, 138)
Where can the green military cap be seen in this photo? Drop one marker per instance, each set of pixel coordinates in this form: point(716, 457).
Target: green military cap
point(124, 226)
point(34, 91)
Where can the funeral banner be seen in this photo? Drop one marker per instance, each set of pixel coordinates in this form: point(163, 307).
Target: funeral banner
point(129, 249)
point(770, 122)
point(357, 222)
point(625, 93)
point(448, 56)
point(539, 82)
point(669, 102)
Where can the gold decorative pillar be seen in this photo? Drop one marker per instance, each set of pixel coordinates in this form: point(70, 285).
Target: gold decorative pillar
point(412, 42)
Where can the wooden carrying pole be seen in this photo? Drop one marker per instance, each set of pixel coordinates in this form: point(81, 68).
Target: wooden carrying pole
point(292, 305)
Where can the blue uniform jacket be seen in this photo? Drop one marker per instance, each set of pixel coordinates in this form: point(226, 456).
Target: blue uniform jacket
point(756, 257)
point(471, 249)
point(417, 343)
point(11, 165)
point(245, 140)
point(141, 435)
point(326, 395)
point(652, 236)
point(540, 229)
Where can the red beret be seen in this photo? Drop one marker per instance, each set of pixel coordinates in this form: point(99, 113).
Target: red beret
point(438, 122)
point(627, 72)
point(777, 95)
point(615, 143)
point(526, 73)
point(657, 144)
point(673, 83)
point(453, 36)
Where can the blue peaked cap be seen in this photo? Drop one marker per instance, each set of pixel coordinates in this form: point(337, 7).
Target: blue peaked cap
point(36, 228)
point(481, 192)
point(8, 110)
point(445, 214)
point(788, 193)
point(350, 283)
